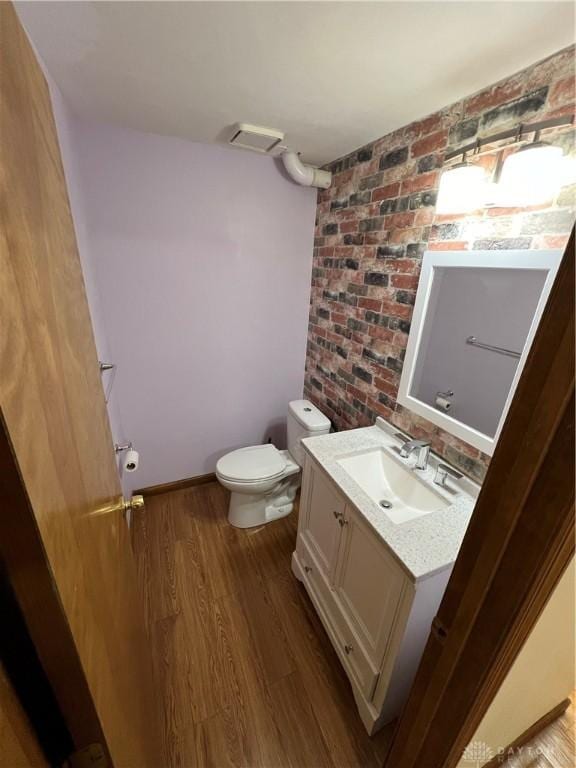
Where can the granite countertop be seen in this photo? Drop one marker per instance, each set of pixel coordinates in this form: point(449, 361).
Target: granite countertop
point(424, 545)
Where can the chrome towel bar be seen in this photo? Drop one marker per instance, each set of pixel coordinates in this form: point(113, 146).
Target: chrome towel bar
point(473, 341)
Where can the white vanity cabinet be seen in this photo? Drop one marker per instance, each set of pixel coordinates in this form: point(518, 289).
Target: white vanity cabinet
point(377, 617)
point(324, 515)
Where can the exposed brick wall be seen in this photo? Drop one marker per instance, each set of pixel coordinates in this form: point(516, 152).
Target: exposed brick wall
point(375, 222)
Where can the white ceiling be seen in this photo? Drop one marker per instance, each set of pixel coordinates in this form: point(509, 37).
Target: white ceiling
point(332, 75)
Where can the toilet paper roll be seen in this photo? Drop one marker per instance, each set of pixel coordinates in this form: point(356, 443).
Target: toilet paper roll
point(442, 403)
point(131, 461)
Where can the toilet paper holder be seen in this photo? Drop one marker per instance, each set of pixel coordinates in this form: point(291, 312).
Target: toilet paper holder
point(131, 459)
point(443, 400)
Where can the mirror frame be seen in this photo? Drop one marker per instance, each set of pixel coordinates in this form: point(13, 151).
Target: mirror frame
point(548, 261)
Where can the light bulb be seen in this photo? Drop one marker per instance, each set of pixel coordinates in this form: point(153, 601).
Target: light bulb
point(461, 189)
point(531, 176)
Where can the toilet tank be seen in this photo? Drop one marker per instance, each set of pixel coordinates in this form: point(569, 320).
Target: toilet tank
point(304, 420)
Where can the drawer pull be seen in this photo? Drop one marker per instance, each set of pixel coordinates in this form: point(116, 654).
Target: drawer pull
point(348, 649)
point(342, 521)
point(337, 515)
point(307, 569)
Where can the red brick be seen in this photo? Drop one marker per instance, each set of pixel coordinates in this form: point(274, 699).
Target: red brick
point(565, 111)
point(343, 251)
point(349, 226)
point(448, 245)
point(402, 266)
point(326, 252)
point(429, 124)
point(390, 190)
point(380, 408)
point(338, 318)
point(399, 220)
point(494, 213)
point(418, 183)
point(387, 386)
point(381, 334)
point(371, 211)
point(394, 309)
point(562, 92)
point(442, 218)
point(345, 213)
point(492, 97)
point(341, 178)
point(399, 236)
point(553, 241)
point(424, 216)
point(357, 393)
point(428, 144)
point(552, 68)
point(404, 281)
point(373, 304)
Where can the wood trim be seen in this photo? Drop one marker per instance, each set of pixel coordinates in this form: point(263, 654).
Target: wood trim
point(177, 485)
point(519, 542)
point(530, 733)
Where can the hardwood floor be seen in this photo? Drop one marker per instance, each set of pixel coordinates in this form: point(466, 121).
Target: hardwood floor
point(244, 672)
point(554, 747)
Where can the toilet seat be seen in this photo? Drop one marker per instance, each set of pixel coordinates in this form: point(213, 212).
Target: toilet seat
point(252, 465)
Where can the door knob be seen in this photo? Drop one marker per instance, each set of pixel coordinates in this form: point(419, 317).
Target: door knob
point(133, 504)
point(124, 506)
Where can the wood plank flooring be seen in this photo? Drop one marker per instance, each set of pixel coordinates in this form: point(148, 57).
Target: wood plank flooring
point(553, 747)
point(244, 672)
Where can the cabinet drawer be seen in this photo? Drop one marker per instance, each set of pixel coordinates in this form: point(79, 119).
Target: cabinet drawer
point(348, 646)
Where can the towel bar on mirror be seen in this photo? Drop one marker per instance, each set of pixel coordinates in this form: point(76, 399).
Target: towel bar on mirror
point(473, 341)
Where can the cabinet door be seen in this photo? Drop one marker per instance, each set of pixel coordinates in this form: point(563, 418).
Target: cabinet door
point(323, 518)
point(368, 584)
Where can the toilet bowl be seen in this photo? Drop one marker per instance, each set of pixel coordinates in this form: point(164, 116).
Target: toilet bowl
point(263, 480)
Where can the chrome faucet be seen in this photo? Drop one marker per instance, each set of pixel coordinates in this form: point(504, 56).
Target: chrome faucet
point(409, 446)
point(443, 471)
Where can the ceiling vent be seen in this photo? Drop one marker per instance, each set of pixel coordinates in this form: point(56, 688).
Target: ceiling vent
point(258, 138)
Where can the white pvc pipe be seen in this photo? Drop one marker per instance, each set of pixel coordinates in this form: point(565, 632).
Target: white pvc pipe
point(305, 175)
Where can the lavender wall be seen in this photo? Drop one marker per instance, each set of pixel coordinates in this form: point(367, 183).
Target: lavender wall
point(198, 263)
point(65, 124)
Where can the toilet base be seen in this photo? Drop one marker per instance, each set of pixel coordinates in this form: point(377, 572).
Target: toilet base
point(248, 510)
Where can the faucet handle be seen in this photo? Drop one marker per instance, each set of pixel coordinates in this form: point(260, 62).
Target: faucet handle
point(442, 473)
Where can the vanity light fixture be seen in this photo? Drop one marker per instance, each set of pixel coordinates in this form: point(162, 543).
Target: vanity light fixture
point(462, 188)
point(532, 175)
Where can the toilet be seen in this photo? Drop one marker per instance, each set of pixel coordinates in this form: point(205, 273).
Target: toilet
point(262, 479)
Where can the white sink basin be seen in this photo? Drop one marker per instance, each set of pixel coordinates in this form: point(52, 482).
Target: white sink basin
point(388, 482)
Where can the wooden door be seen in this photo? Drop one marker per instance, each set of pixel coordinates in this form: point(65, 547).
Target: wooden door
point(368, 584)
point(94, 651)
point(323, 510)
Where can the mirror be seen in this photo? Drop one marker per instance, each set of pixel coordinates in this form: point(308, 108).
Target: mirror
point(474, 320)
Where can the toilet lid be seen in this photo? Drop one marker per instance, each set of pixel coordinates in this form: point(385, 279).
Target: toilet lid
point(257, 462)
